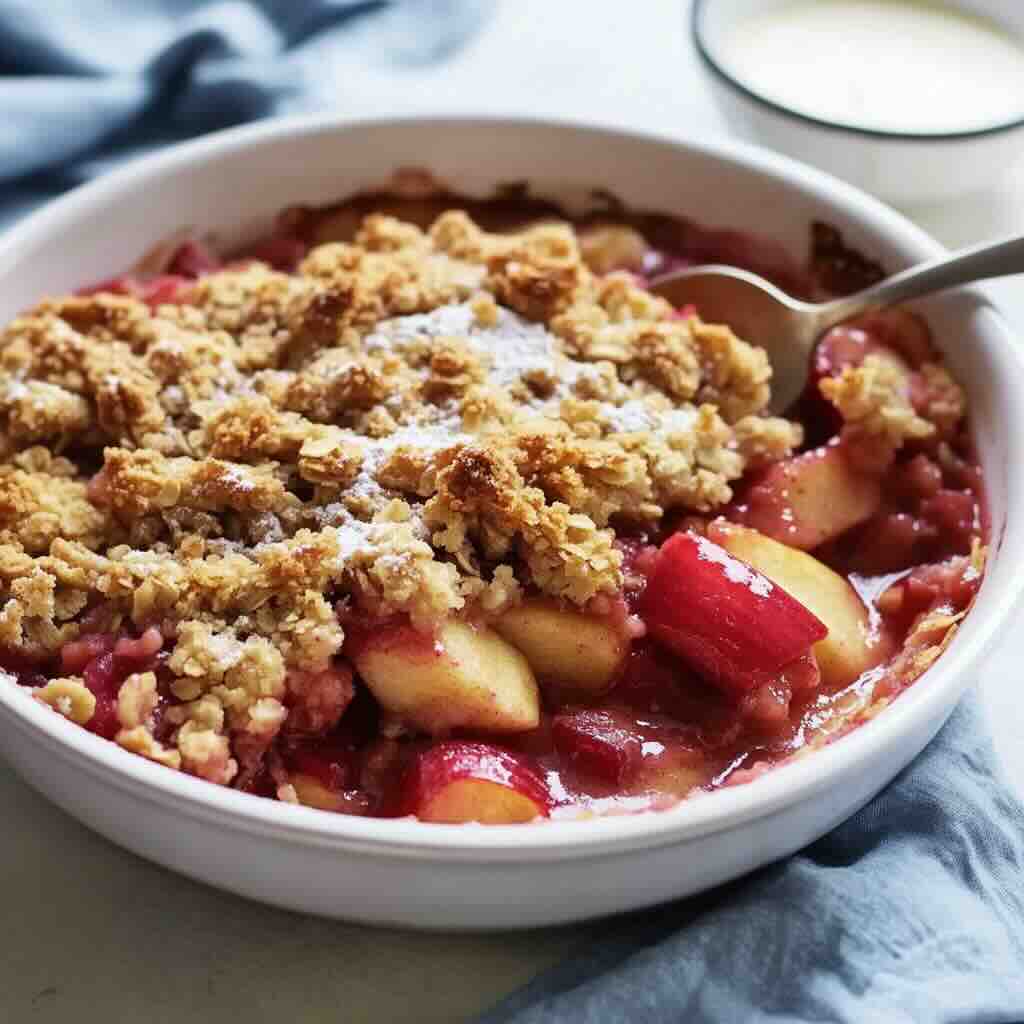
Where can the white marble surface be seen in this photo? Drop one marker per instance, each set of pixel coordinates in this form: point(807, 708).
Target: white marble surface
point(93, 934)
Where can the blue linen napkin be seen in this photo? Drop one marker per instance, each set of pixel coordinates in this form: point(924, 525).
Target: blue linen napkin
point(912, 911)
point(86, 83)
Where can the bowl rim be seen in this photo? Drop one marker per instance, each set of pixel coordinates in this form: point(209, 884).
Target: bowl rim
point(705, 51)
point(783, 787)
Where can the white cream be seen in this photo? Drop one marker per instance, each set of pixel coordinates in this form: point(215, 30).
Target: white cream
point(889, 65)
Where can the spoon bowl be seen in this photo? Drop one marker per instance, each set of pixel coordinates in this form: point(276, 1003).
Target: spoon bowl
point(788, 329)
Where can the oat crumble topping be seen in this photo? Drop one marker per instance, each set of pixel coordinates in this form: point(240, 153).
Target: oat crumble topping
point(418, 422)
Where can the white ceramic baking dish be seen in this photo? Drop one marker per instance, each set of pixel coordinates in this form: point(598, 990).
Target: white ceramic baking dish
point(441, 876)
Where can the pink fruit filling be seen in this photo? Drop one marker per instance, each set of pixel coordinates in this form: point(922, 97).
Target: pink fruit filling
point(747, 625)
point(105, 661)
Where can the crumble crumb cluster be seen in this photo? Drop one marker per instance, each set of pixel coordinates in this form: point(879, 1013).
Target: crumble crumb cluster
point(879, 418)
point(419, 422)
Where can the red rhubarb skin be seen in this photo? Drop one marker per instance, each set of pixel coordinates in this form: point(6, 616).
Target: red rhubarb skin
point(721, 616)
point(598, 742)
point(455, 760)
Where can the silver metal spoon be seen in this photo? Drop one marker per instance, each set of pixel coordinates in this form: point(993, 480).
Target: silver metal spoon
point(789, 329)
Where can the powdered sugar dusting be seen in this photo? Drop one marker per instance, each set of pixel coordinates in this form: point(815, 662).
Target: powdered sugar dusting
point(236, 478)
point(677, 421)
point(514, 347)
point(427, 439)
point(636, 415)
point(629, 418)
point(514, 351)
point(225, 650)
point(353, 537)
point(455, 320)
point(735, 570)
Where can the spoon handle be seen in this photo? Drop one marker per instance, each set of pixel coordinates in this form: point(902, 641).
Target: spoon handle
point(977, 263)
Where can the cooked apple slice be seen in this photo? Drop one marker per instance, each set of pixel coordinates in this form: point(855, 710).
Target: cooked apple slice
point(462, 676)
point(733, 625)
point(810, 499)
point(674, 770)
point(849, 648)
point(459, 782)
point(580, 653)
point(311, 792)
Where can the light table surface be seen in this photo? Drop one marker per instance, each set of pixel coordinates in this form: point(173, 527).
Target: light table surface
point(97, 936)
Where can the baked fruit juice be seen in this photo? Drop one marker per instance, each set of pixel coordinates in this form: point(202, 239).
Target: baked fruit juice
point(426, 506)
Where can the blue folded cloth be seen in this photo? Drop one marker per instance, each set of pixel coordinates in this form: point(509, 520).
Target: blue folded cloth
point(86, 83)
point(912, 911)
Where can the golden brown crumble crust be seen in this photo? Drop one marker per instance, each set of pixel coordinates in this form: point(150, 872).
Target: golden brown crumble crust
point(419, 422)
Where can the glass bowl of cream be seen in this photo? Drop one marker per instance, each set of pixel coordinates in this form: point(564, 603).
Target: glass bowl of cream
point(913, 100)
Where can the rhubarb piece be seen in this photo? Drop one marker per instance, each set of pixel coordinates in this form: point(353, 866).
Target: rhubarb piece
point(193, 259)
point(955, 515)
point(650, 679)
point(579, 653)
point(599, 743)
point(102, 677)
point(919, 478)
point(849, 345)
point(900, 332)
point(154, 291)
point(802, 676)
point(123, 284)
point(733, 625)
point(105, 660)
point(461, 677)
point(810, 499)
point(843, 347)
point(840, 347)
point(164, 289)
point(332, 761)
point(138, 654)
point(280, 252)
point(953, 583)
point(317, 700)
point(655, 754)
point(891, 542)
point(76, 654)
point(851, 647)
point(767, 707)
point(459, 782)
point(25, 669)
